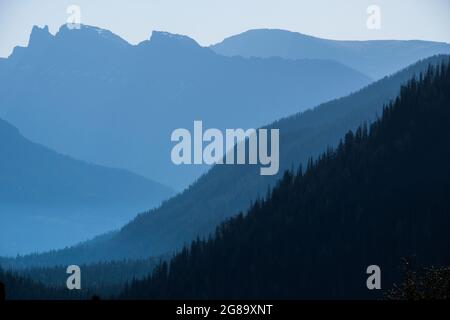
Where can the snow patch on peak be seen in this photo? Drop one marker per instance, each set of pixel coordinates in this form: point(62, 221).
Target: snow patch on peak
point(167, 37)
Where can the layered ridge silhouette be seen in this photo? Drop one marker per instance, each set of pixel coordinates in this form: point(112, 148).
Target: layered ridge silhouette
point(225, 190)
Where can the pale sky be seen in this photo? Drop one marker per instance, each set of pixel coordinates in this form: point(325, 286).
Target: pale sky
point(210, 21)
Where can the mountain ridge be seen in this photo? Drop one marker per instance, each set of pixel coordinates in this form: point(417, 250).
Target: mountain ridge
point(68, 199)
point(376, 58)
point(226, 190)
point(88, 97)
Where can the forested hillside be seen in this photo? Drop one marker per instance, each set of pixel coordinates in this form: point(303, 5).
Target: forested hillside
point(383, 194)
point(105, 279)
point(23, 288)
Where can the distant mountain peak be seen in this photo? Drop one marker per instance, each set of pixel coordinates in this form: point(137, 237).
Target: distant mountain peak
point(37, 29)
point(90, 33)
point(81, 27)
point(163, 38)
point(375, 58)
point(40, 36)
point(270, 36)
point(278, 31)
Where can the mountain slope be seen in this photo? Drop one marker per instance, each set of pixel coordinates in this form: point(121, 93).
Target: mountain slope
point(225, 190)
point(382, 195)
point(91, 95)
point(39, 187)
point(374, 58)
point(33, 174)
